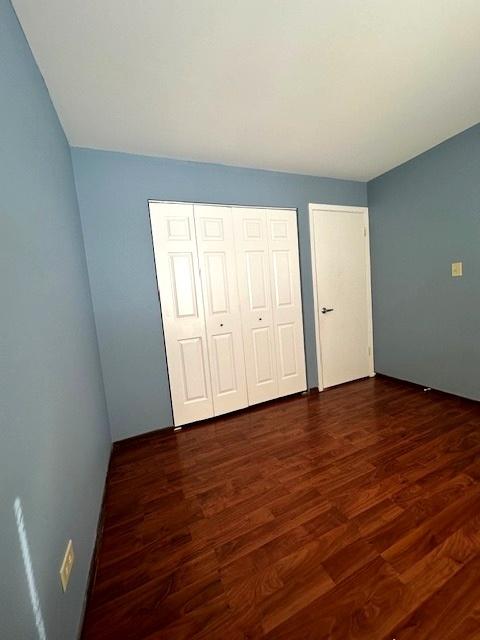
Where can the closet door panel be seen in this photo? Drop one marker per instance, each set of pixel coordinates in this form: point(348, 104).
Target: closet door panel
point(223, 355)
point(182, 278)
point(253, 270)
point(216, 253)
point(263, 356)
point(194, 368)
point(176, 261)
point(287, 300)
point(287, 350)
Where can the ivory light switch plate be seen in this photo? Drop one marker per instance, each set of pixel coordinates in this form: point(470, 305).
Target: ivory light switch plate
point(457, 269)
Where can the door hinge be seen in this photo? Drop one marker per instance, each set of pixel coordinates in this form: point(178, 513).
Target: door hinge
point(364, 232)
point(369, 351)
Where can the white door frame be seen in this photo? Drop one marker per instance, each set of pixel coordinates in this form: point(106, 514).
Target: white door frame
point(318, 208)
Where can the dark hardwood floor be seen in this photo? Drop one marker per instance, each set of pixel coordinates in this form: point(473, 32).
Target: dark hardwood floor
point(349, 514)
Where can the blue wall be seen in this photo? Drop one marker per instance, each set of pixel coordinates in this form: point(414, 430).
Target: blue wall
point(424, 215)
point(54, 438)
point(113, 190)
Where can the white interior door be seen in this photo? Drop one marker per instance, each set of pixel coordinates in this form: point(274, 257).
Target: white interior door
point(286, 300)
point(251, 242)
point(343, 299)
point(176, 260)
point(216, 254)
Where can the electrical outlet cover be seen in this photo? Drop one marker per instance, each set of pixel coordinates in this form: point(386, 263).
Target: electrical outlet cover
point(67, 565)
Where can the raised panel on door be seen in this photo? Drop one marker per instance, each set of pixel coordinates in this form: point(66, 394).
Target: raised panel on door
point(182, 282)
point(223, 356)
point(194, 366)
point(263, 356)
point(176, 263)
point(216, 254)
point(257, 280)
point(287, 300)
point(253, 270)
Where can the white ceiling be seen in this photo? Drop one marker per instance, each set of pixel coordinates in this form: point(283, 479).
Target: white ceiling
point(342, 88)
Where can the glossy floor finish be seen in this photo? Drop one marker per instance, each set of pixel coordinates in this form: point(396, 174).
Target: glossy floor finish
point(349, 514)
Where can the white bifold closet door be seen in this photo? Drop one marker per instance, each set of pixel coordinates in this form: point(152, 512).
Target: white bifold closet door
point(254, 281)
point(269, 283)
point(287, 300)
point(178, 277)
point(216, 254)
point(229, 285)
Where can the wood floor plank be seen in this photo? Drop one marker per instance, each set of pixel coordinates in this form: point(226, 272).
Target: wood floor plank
point(351, 514)
point(270, 596)
point(445, 613)
point(432, 532)
point(365, 606)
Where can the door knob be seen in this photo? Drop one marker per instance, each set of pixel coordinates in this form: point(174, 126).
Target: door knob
point(325, 310)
